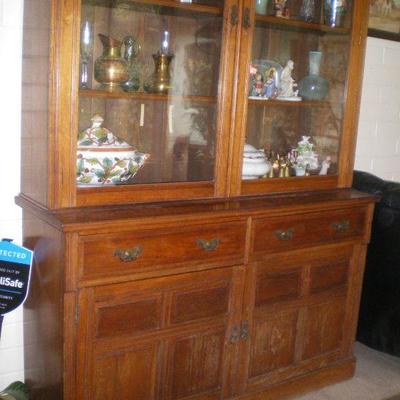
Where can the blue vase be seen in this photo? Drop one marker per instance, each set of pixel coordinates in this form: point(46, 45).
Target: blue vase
point(313, 86)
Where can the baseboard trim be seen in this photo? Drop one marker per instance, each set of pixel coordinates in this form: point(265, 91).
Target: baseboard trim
point(306, 383)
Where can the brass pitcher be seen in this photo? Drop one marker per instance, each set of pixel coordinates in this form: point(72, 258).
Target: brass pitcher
point(161, 78)
point(110, 69)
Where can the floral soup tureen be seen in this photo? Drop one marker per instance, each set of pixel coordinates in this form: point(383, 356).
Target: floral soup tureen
point(105, 159)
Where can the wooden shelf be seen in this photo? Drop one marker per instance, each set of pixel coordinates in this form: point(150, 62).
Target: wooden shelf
point(145, 96)
point(195, 8)
point(300, 24)
point(285, 103)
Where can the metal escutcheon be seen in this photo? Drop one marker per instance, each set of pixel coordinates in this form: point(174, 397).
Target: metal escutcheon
point(284, 235)
point(127, 255)
point(341, 226)
point(208, 245)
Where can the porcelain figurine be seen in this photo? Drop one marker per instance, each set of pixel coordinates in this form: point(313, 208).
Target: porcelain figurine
point(280, 8)
point(287, 84)
point(105, 159)
point(255, 164)
point(306, 157)
point(325, 166)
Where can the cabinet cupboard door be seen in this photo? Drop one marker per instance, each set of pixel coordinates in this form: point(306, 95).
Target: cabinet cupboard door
point(169, 99)
point(163, 338)
point(298, 81)
point(295, 306)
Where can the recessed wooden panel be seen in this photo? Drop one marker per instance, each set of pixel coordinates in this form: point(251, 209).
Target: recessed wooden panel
point(163, 248)
point(324, 327)
point(273, 343)
point(130, 318)
point(128, 375)
point(207, 303)
point(196, 365)
point(329, 276)
point(277, 286)
point(297, 231)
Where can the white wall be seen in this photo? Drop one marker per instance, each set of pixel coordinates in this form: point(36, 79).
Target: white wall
point(11, 356)
point(377, 148)
point(378, 145)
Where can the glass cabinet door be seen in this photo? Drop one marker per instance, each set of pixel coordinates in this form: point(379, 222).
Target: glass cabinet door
point(295, 91)
point(148, 84)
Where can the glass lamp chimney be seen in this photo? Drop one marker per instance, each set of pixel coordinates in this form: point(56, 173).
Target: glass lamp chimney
point(165, 43)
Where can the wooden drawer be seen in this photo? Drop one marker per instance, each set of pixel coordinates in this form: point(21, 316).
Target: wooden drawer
point(296, 231)
point(148, 252)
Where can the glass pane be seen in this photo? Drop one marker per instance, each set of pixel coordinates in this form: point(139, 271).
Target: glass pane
point(148, 91)
point(296, 100)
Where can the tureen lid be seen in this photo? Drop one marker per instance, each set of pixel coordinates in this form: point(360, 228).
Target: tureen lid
point(250, 151)
point(97, 137)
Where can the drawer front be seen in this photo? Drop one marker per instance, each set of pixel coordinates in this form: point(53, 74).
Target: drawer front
point(162, 248)
point(296, 231)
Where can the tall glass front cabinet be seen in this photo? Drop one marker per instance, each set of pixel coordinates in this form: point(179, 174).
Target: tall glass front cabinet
point(186, 174)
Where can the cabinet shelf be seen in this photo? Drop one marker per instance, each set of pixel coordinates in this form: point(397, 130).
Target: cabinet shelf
point(145, 96)
point(195, 8)
point(300, 24)
point(283, 103)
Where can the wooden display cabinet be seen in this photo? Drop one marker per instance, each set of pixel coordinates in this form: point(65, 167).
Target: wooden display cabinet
point(188, 281)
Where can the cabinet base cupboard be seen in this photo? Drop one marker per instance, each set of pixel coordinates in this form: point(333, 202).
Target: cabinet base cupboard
point(187, 196)
point(254, 298)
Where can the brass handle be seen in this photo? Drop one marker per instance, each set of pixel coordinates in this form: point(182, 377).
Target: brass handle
point(127, 255)
point(244, 332)
point(234, 338)
point(341, 226)
point(234, 15)
point(284, 235)
point(246, 18)
point(208, 245)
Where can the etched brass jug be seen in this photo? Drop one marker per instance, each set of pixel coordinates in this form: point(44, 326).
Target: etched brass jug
point(110, 69)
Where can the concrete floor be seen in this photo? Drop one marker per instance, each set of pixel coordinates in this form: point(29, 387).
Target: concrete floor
point(377, 377)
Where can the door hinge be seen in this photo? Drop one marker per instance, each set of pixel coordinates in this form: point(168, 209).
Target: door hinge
point(235, 334)
point(246, 23)
point(234, 15)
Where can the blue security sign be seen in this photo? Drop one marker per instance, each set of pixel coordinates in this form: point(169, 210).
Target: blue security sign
point(15, 272)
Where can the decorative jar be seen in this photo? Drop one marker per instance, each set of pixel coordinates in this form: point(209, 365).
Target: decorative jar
point(255, 164)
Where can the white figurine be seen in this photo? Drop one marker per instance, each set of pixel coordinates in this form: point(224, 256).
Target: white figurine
point(325, 166)
point(287, 84)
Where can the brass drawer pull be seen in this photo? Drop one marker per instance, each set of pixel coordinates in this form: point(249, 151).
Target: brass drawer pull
point(208, 245)
point(284, 235)
point(234, 15)
point(128, 255)
point(341, 226)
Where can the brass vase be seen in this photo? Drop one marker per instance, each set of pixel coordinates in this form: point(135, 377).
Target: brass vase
point(111, 70)
point(161, 77)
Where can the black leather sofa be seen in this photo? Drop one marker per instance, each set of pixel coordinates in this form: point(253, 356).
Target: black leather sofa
point(379, 321)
